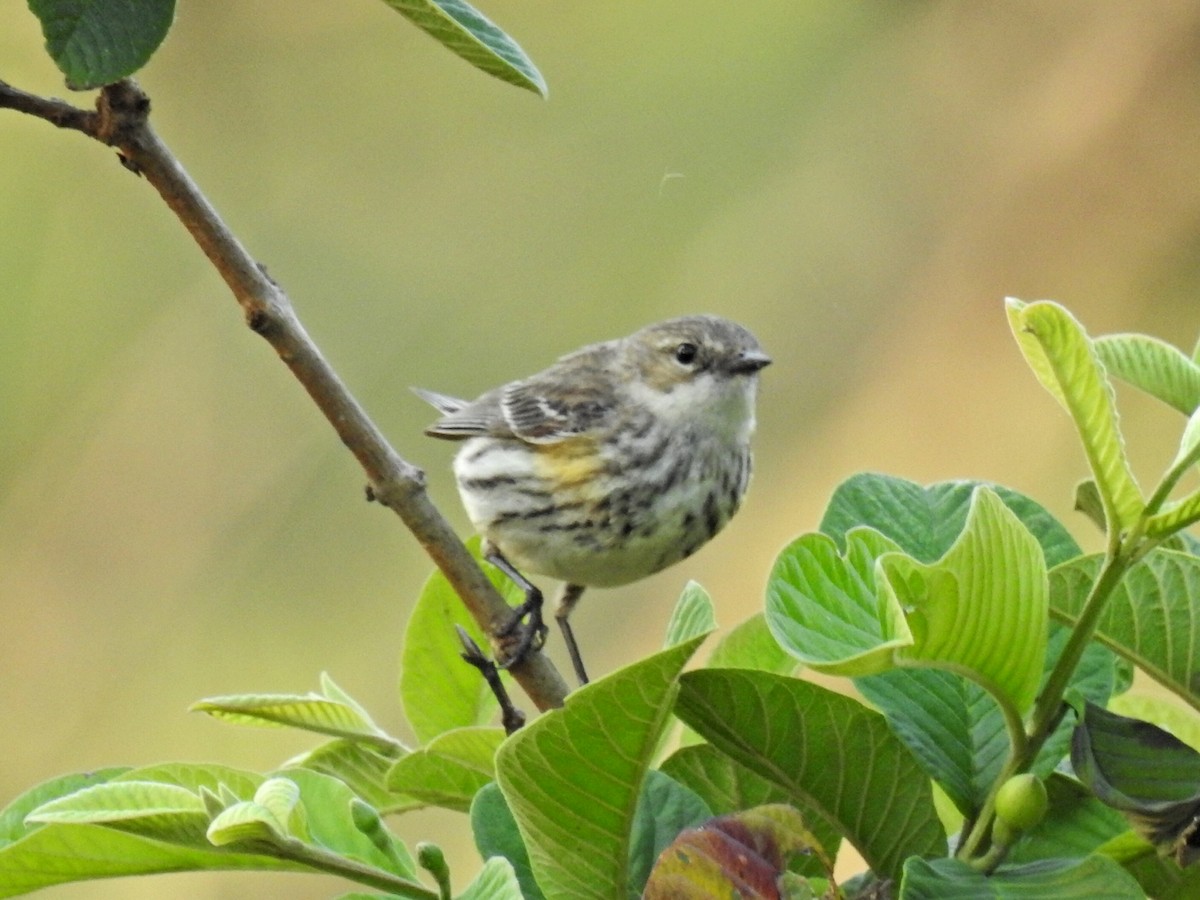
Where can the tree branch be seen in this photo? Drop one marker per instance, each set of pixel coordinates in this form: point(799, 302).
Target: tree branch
point(121, 121)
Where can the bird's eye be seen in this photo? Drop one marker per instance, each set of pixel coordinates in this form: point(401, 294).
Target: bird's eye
point(685, 354)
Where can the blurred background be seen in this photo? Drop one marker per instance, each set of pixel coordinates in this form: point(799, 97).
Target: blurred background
point(859, 184)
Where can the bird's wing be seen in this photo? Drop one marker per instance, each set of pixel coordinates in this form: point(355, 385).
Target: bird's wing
point(572, 398)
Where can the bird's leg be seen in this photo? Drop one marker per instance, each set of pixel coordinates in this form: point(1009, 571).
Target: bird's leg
point(530, 612)
point(512, 717)
point(568, 597)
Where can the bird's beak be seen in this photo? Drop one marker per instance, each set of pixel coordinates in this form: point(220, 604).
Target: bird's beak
point(750, 362)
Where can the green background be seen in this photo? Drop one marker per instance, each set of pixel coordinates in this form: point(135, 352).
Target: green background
point(859, 184)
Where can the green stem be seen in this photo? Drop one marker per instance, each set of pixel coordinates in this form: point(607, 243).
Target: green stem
point(1048, 710)
point(335, 864)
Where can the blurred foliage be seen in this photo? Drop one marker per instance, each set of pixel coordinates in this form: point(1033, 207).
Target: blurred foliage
point(858, 184)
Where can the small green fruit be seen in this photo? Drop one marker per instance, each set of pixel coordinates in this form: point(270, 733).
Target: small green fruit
point(1021, 802)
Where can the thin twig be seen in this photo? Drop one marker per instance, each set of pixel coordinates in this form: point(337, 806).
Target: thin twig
point(121, 121)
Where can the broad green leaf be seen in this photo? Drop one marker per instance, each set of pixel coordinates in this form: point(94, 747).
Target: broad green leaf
point(496, 834)
point(199, 776)
point(163, 811)
point(1065, 361)
point(829, 610)
point(572, 778)
point(980, 610)
point(693, 615)
point(1152, 618)
point(57, 854)
point(496, 881)
point(665, 808)
point(1091, 878)
point(728, 787)
point(1154, 366)
point(363, 768)
point(12, 818)
point(451, 770)
point(925, 521)
point(956, 730)
point(438, 690)
point(34, 856)
point(826, 750)
point(1146, 773)
point(331, 712)
point(750, 645)
point(463, 30)
point(97, 42)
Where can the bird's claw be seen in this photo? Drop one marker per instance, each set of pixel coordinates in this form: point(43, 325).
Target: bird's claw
point(524, 634)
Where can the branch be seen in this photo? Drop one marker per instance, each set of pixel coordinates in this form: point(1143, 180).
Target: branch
point(121, 121)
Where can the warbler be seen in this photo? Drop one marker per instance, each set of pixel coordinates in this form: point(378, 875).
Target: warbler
point(617, 461)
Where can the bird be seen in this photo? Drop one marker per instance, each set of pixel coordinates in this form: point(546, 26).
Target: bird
point(615, 462)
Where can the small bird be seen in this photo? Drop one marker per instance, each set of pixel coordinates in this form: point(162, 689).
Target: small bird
point(617, 461)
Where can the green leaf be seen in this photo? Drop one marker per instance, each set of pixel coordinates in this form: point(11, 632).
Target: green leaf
point(1146, 773)
point(1152, 618)
point(496, 835)
point(573, 777)
point(496, 881)
point(693, 615)
point(728, 787)
point(829, 611)
point(97, 42)
point(439, 691)
point(1175, 515)
point(1065, 361)
point(664, 809)
point(162, 811)
point(1092, 878)
point(980, 610)
point(451, 770)
point(1154, 366)
point(363, 769)
point(956, 730)
point(826, 750)
point(1089, 502)
point(34, 856)
point(463, 30)
point(12, 819)
point(925, 521)
point(331, 712)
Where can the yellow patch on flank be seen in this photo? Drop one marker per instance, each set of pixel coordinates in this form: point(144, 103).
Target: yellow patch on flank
point(570, 464)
